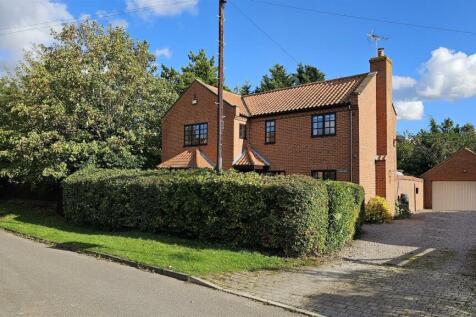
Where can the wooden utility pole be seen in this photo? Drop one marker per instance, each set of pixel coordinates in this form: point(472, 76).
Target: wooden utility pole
point(221, 22)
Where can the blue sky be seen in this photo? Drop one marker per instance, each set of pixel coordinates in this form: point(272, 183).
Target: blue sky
point(437, 69)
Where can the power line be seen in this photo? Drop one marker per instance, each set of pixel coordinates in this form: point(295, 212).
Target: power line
point(8, 31)
point(259, 28)
point(357, 17)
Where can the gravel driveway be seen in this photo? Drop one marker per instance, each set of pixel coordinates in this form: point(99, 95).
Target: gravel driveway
point(423, 266)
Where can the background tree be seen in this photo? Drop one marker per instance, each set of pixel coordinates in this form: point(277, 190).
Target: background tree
point(89, 98)
point(307, 74)
point(417, 153)
point(244, 89)
point(200, 66)
point(278, 77)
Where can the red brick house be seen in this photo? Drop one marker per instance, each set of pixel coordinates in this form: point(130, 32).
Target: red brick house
point(341, 129)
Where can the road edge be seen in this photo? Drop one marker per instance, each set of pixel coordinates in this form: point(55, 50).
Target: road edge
point(157, 270)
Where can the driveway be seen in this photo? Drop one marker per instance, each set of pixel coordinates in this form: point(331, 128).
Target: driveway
point(423, 266)
point(36, 280)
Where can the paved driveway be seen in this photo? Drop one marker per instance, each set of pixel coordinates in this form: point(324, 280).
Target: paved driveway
point(36, 280)
point(423, 266)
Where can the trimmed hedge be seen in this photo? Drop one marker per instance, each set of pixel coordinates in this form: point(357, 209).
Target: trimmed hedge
point(288, 214)
point(346, 213)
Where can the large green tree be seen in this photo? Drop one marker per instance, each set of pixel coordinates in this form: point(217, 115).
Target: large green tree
point(91, 98)
point(199, 66)
point(278, 77)
point(417, 153)
point(307, 74)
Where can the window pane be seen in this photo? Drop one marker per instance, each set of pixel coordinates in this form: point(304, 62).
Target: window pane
point(196, 134)
point(270, 131)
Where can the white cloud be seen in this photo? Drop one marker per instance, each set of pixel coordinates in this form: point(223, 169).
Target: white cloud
point(162, 7)
point(165, 52)
point(448, 75)
point(403, 82)
point(409, 110)
point(22, 15)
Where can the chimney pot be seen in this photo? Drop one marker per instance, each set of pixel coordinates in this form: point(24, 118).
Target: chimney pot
point(380, 52)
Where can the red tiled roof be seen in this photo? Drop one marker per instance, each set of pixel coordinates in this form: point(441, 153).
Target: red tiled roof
point(249, 157)
point(231, 98)
point(323, 93)
point(193, 158)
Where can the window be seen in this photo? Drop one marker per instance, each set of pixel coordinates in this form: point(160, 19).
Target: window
point(196, 134)
point(242, 131)
point(417, 190)
point(275, 173)
point(323, 125)
point(324, 174)
point(270, 132)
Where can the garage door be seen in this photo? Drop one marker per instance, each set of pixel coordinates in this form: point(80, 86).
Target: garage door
point(454, 195)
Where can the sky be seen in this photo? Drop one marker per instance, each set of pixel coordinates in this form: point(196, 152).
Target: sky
point(434, 70)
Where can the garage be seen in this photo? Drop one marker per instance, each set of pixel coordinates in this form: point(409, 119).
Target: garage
point(454, 195)
point(451, 185)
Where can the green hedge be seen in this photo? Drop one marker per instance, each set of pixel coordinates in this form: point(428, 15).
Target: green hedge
point(288, 214)
point(346, 213)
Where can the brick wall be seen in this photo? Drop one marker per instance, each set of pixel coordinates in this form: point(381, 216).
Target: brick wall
point(460, 167)
point(184, 112)
point(297, 152)
point(366, 143)
point(386, 130)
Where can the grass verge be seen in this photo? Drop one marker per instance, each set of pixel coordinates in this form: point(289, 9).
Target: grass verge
point(181, 255)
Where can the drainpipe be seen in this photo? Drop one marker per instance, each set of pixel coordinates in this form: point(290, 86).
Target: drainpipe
point(351, 141)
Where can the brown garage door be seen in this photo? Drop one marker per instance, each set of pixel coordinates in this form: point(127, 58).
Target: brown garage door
point(454, 195)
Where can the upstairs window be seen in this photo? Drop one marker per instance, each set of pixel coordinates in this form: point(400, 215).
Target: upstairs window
point(324, 125)
point(242, 131)
point(324, 174)
point(270, 132)
point(196, 134)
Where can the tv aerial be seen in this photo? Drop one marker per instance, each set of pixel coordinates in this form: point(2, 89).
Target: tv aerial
point(376, 38)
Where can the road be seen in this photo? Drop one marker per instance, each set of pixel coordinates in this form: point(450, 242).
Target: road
point(36, 280)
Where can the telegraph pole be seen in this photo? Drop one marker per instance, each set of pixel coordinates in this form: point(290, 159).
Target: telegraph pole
point(221, 17)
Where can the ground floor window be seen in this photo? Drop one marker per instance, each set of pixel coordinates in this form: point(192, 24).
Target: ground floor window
point(324, 174)
point(275, 173)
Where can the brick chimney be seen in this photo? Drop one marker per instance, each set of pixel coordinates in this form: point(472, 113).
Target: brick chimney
point(385, 164)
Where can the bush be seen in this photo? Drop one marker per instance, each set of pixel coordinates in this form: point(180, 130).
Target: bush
point(287, 214)
point(377, 210)
point(402, 208)
point(294, 215)
point(346, 206)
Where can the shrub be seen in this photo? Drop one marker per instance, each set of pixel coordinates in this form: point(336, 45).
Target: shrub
point(346, 206)
point(402, 207)
point(377, 210)
point(287, 214)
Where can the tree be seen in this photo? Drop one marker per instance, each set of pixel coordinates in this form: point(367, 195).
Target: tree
point(307, 74)
point(417, 153)
point(200, 66)
point(91, 98)
point(244, 89)
point(278, 77)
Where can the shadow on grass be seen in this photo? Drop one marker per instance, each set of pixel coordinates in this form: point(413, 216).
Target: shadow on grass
point(44, 214)
point(74, 246)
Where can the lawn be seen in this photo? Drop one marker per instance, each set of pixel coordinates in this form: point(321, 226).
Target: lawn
point(180, 255)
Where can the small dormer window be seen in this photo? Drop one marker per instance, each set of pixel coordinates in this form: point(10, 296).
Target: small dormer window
point(194, 99)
